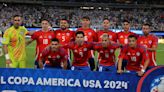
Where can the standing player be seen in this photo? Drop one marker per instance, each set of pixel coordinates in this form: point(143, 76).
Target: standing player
point(106, 25)
point(90, 36)
point(81, 50)
point(136, 55)
point(150, 42)
point(65, 36)
point(55, 55)
point(123, 38)
point(14, 44)
point(106, 54)
point(43, 39)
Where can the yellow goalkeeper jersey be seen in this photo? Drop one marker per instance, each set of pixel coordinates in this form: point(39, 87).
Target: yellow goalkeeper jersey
point(15, 39)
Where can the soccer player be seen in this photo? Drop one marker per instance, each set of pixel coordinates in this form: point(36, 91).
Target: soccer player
point(90, 36)
point(106, 51)
point(150, 42)
point(65, 36)
point(43, 38)
point(54, 55)
point(14, 44)
point(106, 25)
point(123, 38)
point(81, 50)
point(136, 55)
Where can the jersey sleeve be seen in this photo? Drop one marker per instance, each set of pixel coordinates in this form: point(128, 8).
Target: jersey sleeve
point(34, 35)
point(25, 31)
point(6, 37)
point(144, 56)
point(155, 41)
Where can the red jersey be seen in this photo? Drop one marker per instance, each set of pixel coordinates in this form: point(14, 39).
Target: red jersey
point(80, 53)
point(54, 58)
point(123, 37)
point(90, 34)
point(135, 56)
point(112, 35)
point(148, 42)
point(43, 39)
point(64, 36)
point(106, 55)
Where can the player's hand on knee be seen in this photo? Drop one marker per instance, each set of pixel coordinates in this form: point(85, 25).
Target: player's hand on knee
point(41, 65)
point(8, 63)
point(119, 71)
point(140, 73)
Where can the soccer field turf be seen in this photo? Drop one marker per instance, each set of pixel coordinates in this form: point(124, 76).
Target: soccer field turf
point(31, 56)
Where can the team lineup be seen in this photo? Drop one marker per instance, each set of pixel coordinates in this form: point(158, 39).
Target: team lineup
point(54, 47)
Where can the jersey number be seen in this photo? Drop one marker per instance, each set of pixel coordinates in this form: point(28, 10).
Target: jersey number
point(45, 41)
point(133, 59)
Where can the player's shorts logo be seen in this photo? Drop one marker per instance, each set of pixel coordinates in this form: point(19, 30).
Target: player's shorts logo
point(111, 51)
point(85, 49)
point(158, 84)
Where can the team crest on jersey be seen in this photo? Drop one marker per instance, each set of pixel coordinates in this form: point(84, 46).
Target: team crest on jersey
point(138, 53)
point(85, 49)
point(49, 56)
point(68, 34)
point(111, 51)
point(141, 42)
point(58, 56)
point(150, 41)
point(49, 37)
point(89, 33)
point(121, 36)
point(106, 55)
point(21, 33)
point(128, 53)
point(58, 34)
point(41, 36)
point(75, 50)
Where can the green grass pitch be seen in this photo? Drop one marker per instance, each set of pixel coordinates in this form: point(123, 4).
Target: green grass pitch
point(31, 56)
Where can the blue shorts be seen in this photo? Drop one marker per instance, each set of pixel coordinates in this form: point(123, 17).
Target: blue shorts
point(107, 68)
point(49, 66)
point(36, 65)
point(86, 68)
point(132, 72)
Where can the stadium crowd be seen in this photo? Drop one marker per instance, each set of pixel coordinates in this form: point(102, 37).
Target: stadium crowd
point(33, 14)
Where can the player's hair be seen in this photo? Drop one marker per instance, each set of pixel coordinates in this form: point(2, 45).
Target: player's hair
point(45, 20)
point(146, 24)
point(16, 16)
point(125, 20)
point(80, 32)
point(64, 19)
point(86, 17)
point(55, 40)
point(106, 19)
point(132, 36)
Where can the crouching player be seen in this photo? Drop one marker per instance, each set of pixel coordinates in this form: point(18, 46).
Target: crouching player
point(81, 50)
point(106, 51)
point(136, 55)
point(54, 55)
